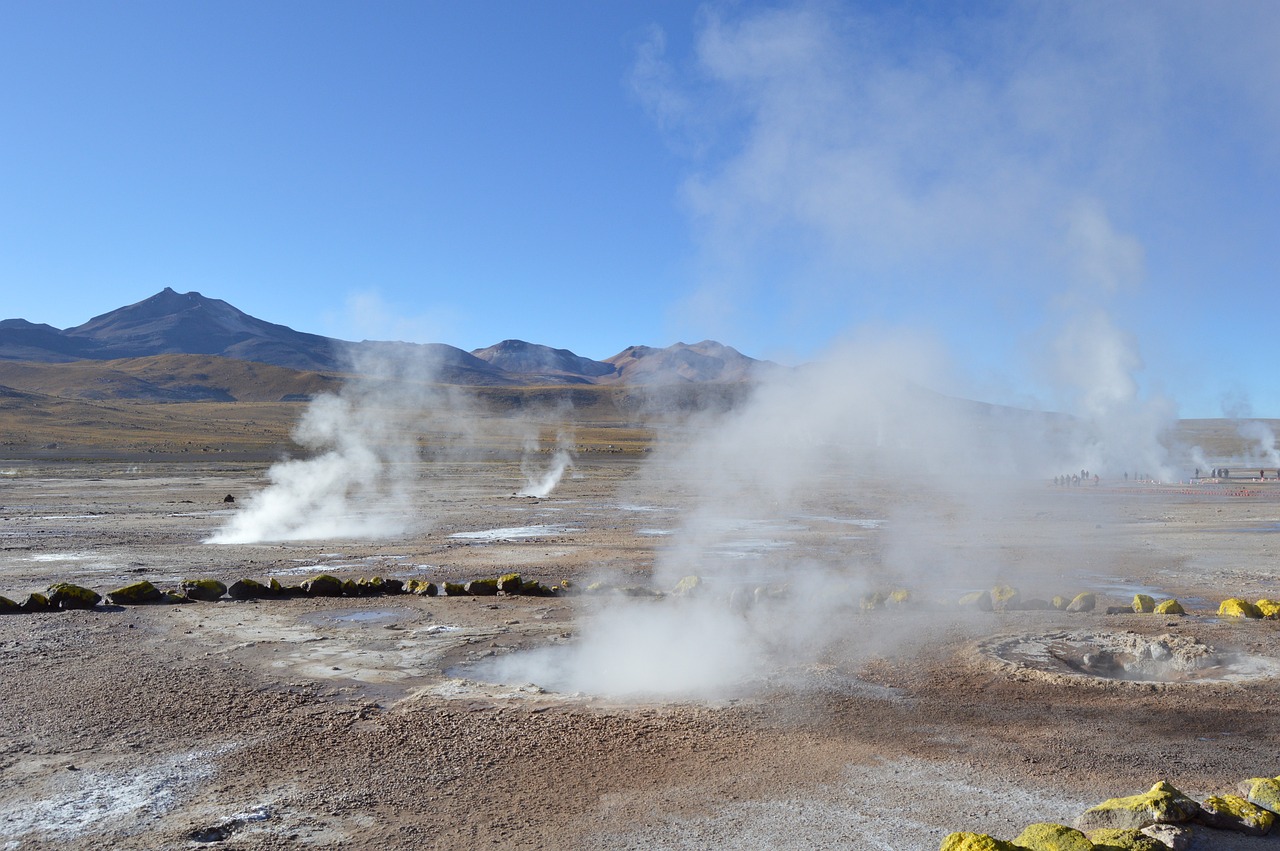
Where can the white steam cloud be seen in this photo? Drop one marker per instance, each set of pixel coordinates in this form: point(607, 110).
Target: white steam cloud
point(540, 483)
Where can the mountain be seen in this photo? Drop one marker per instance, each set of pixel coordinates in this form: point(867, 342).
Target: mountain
point(173, 323)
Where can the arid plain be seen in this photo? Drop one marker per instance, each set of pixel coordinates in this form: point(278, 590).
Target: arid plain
point(395, 721)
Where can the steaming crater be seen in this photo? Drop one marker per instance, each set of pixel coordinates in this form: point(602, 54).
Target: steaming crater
point(1127, 657)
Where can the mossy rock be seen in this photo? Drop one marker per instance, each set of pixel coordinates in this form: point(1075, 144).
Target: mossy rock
point(975, 842)
point(687, 586)
point(9, 607)
point(1231, 812)
point(1124, 839)
point(534, 588)
point(1143, 604)
point(248, 589)
point(455, 589)
point(36, 602)
point(1263, 791)
point(1046, 836)
point(1269, 609)
point(323, 585)
point(64, 595)
point(1162, 804)
point(871, 602)
point(598, 588)
point(1005, 598)
point(173, 598)
point(977, 600)
point(1170, 607)
point(136, 594)
point(482, 587)
point(368, 587)
point(422, 588)
point(205, 590)
point(1060, 603)
point(898, 597)
point(510, 583)
point(392, 586)
point(1035, 604)
point(1085, 602)
point(1235, 607)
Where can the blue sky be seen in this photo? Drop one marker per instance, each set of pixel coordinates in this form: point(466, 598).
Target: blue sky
point(1023, 185)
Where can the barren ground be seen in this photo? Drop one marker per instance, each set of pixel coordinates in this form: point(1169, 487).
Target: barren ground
point(356, 723)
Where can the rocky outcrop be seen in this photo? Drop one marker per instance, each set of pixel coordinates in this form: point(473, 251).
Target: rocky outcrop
point(1231, 812)
point(1162, 804)
point(1263, 791)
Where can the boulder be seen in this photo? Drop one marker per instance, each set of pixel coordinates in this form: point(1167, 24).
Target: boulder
point(482, 587)
point(1269, 609)
point(1035, 604)
point(64, 595)
point(350, 588)
point(36, 602)
point(1263, 791)
point(1060, 603)
point(1124, 839)
point(1143, 604)
point(510, 583)
point(1231, 812)
point(1082, 602)
point(1175, 837)
point(248, 589)
point(173, 598)
point(323, 585)
point(372, 585)
point(975, 842)
point(686, 587)
point(136, 594)
point(422, 588)
point(392, 586)
point(1162, 804)
point(977, 600)
point(205, 590)
point(455, 589)
point(9, 607)
point(534, 588)
point(1046, 836)
point(1170, 607)
point(1005, 598)
point(871, 602)
point(1235, 607)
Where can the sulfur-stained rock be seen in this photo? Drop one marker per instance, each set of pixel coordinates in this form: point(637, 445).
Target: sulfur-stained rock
point(323, 585)
point(975, 842)
point(1046, 836)
point(1263, 791)
point(392, 586)
point(9, 607)
point(1235, 607)
point(977, 600)
point(1231, 812)
point(871, 602)
point(1162, 804)
point(1060, 603)
point(534, 588)
point(898, 598)
point(482, 587)
point(686, 587)
point(247, 589)
point(1143, 604)
point(1082, 603)
point(64, 595)
point(136, 594)
point(422, 588)
point(36, 602)
point(1124, 839)
point(205, 590)
point(456, 589)
point(1269, 609)
point(1005, 598)
point(1170, 607)
point(1035, 604)
point(173, 598)
point(1175, 837)
point(510, 583)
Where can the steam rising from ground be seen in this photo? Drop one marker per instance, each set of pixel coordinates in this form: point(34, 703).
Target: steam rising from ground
point(542, 483)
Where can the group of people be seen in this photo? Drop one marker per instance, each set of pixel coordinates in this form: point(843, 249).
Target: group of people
point(1075, 479)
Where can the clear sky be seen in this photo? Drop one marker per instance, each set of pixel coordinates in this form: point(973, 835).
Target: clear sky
point(1052, 193)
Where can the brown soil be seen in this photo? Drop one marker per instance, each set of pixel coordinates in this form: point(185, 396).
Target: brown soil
point(359, 723)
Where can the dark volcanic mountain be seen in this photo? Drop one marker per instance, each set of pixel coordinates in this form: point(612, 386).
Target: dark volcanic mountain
point(173, 323)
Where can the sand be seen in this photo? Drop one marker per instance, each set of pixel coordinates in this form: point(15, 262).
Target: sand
point(367, 723)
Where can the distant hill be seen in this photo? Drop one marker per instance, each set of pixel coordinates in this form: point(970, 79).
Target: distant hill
point(173, 323)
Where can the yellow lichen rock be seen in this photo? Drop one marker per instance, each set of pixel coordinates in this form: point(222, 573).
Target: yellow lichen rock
point(1263, 791)
point(1005, 598)
point(1046, 836)
point(1083, 602)
point(1143, 604)
point(1235, 607)
point(980, 600)
point(899, 597)
point(1170, 607)
point(1162, 804)
point(687, 586)
point(1060, 602)
point(1114, 839)
point(1269, 609)
point(1231, 812)
point(976, 842)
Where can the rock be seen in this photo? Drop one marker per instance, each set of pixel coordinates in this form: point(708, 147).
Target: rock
point(248, 589)
point(1143, 604)
point(871, 602)
point(1060, 603)
point(36, 602)
point(898, 598)
point(1117, 839)
point(323, 585)
point(687, 586)
point(1162, 804)
point(1082, 603)
point(455, 589)
point(1231, 812)
point(1046, 836)
point(1170, 607)
point(1005, 598)
point(136, 594)
point(1269, 609)
point(228, 498)
point(978, 600)
point(205, 590)
point(64, 595)
point(350, 588)
point(173, 598)
point(373, 585)
point(392, 586)
point(1175, 837)
point(1035, 604)
point(1263, 791)
point(8, 607)
point(1119, 610)
point(1235, 607)
point(975, 842)
point(533, 588)
point(482, 587)
point(598, 588)
point(510, 583)
point(422, 588)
